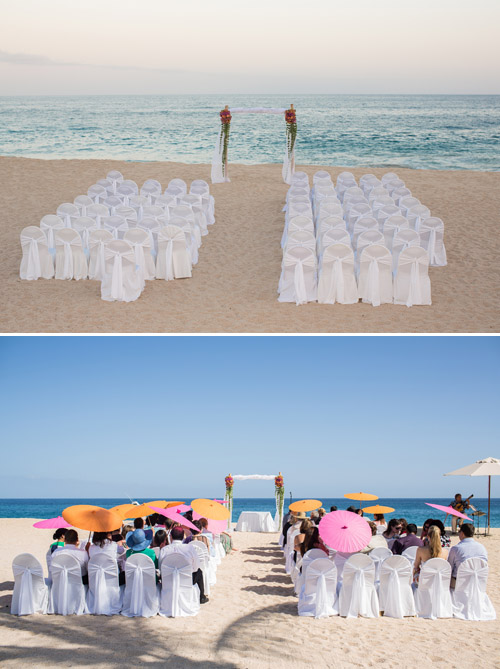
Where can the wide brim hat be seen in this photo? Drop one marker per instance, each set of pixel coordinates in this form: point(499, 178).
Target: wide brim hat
point(299, 515)
point(137, 541)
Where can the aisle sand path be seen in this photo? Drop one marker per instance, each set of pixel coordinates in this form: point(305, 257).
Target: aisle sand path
point(250, 622)
point(234, 286)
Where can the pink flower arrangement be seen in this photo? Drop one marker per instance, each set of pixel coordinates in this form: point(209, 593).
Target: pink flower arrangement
point(225, 117)
point(290, 116)
point(229, 482)
point(278, 481)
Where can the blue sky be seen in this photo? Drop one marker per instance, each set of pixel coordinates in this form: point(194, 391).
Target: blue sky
point(171, 416)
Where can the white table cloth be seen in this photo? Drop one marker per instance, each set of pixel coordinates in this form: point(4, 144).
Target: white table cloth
point(255, 521)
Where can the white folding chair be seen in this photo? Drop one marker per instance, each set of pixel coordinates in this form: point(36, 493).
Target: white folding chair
point(97, 241)
point(383, 213)
point(367, 238)
point(189, 230)
point(305, 561)
point(298, 276)
point(332, 236)
point(362, 225)
point(71, 262)
point(358, 596)
point(68, 212)
point(97, 212)
point(356, 212)
point(412, 285)
point(378, 555)
point(406, 203)
point(395, 593)
point(128, 213)
point(432, 240)
point(30, 591)
point(141, 595)
point(399, 194)
point(402, 240)
point(84, 225)
point(375, 275)
point(179, 597)
point(178, 183)
point(410, 554)
point(49, 224)
point(141, 243)
point(173, 260)
point(469, 598)
point(36, 262)
point(121, 280)
point(104, 595)
point(115, 177)
point(388, 176)
point(152, 227)
point(318, 597)
point(97, 193)
point(417, 215)
point(391, 226)
point(209, 577)
point(138, 202)
point(301, 238)
point(337, 282)
point(82, 202)
point(67, 594)
point(433, 598)
point(117, 225)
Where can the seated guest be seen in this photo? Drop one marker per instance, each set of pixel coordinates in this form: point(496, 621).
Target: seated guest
point(314, 517)
point(139, 525)
point(404, 526)
point(425, 528)
point(72, 546)
point(197, 535)
point(176, 546)
point(159, 541)
point(409, 539)
point(392, 531)
point(334, 508)
point(432, 549)
point(321, 513)
point(204, 530)
point(466, 548)
point(352, 509)
point(299, 538)
point(379, 520)
point(102, 542)
point(58, 538)
point(377, 540)
point(312, 540)
point(360, 512)
point(137, 543)
point(445, 539)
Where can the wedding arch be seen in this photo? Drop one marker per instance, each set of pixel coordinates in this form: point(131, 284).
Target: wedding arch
point(219, 160)
point(279, 491)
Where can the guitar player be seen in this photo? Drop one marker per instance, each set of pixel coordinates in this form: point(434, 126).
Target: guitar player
point(461, 505)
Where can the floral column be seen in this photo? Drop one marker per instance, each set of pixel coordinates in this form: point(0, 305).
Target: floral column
point(279, 492)
point(225, 119)
point(229, 496)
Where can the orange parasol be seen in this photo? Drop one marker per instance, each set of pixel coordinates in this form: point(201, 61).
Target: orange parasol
point(138, 511)
point(305, 505)
point(123, 509)
point(162, 504)
point(361, 497)
point(210, 509)
point(92, 518)
point(377, 508)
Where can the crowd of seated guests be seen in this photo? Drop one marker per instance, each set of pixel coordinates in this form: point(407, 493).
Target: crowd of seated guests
point(160, 537)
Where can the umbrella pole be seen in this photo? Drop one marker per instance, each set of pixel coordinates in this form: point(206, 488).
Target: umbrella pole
point(489, 500)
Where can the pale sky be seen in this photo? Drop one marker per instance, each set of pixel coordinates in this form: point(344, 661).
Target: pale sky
point(55, 47)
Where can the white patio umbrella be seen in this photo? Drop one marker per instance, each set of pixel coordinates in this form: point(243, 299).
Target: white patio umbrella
point(488, 467)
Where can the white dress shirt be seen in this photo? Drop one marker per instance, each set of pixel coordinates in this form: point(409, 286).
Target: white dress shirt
point(464, 550)
point(110, 548)
point(80, 554)
point(185, 549)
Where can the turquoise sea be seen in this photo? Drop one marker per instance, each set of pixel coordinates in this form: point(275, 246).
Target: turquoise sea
point(414, 510)
point(415, 131)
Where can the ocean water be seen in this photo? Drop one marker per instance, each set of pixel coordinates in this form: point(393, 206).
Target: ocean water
point(414, 510)
point(428, 132)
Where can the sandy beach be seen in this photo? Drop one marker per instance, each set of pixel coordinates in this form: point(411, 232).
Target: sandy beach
point(250, 621)
point(233, 288)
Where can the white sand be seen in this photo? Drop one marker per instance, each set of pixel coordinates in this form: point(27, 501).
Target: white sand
point(234, 285)
point(251, 621)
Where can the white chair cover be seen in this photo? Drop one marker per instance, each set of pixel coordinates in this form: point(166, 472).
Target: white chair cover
point(433, 599)
point(49, 224)
point(68, 212)
point(393, 185)
point(115, 177)
point(174, 260)
point(417, 215)
point(112, 202)
point(356, 212)
point(375, 275)
point(117, 225)
point(128, 213)
point(333, 236)
point(67, 594)
point(298, 276)
point(296, 223)
point(189, 229)
point(378, 555)
point(186, 212)
point(179, 597)
point(319, 594)
point(153, 211)
point(82, 202)
point(30, 592)
point(363, 224)
point(84, 225)
point(208, 572)
point(141, 595)
point(301, 238)
point(141, 243)
point(125, 192)
point(105, 594)
point(178, 183)
point(138, 202)
point(432, 240)
point(391, 226)
point(71, 262)
point(395, 593)
point(412, 285)
point(367, 238)
point(410, 554)
point(108, 184)
point(327, 208)
point(152, 227)
point(121, 279)
point(383, 213)
point(358, 596)
point(399, 194)
point(469, 598)
point(402, 240)
point(97, 241)
point(388, 176)
point(97, 212)
point(36, 262)
point(289, 548)
point(303, 564)
point(406, 203)
point(97, 193)
point(337, 282)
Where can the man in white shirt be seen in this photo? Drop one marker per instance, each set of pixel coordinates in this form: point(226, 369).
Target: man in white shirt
point(72, 546)
point(189, 551)
point(466, 548)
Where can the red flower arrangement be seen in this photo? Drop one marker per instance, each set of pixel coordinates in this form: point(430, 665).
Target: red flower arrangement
point(278, 481)
point(229, 482)
point(225, 117)
point(290, 116)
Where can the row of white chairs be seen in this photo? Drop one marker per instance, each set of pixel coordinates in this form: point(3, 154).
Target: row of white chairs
point(64, 593)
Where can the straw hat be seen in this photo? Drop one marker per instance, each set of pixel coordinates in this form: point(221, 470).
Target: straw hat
point(299, 515)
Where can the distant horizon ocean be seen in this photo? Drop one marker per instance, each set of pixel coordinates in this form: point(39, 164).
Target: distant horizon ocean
point(413, 509)
point(412, 131)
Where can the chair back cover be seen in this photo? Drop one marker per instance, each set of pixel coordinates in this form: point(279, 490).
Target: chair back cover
point(115, 224)
point(395, 593)
point(307, 558)
point(104, 596)
point(121, 280)
point(141, 593)
point(433, 598)
point(97, 193)
point(84, 226)
point(378, 555)
point(362, 225)
point(301, 238)
point(356, 211)
point(36, 261)
point(337, 282)
point(406, 203)
point(30, 592)
point(375, 275)
point(179, 597)
point(416, 215)
point(412, 284)
point(141, 243)
point(205, 566)
point(178, 183)
point(470, 601)
point(174, 260)
point(128, 213)
point(97, 212)
point(358, 596)
point(367, 238)
point(82, 202)
point(333, 236)
point(298, 282)
point(71, 262)
point(300, 209)
point(318, 596)
point(402, 239)
point(68, 212)
point(392, 225)
point(410, 554)
point(97, 242)
point(49, 224)
point(432, 239)
point(67, 592)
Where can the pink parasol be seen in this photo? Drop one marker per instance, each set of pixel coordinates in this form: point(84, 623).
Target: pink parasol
point(181, 508)
point(222, 501)
point(51, 523)
point(345, 531)
point(215, 526)
point(450, 510)
point(175, 515)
